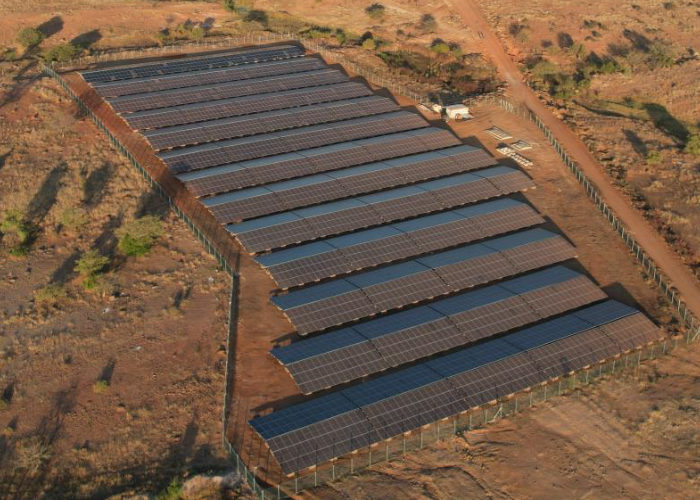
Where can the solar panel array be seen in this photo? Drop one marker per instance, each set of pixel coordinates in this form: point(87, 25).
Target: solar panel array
point(247, 105)
point(269, 121)
point(192, 64)
point(371, 292)
point(320, 429)
point(235, 150)
point(370, 247)
point(229, 74)
point(295, 193)
point(392, 243)
point(350, 353)
point(312, 161)
point(309, 223)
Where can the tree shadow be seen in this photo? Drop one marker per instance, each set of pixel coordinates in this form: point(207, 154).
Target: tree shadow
point(45, 197)
point(181, 295)
point(564, 40)
point(87, 39)
point(666, 122)
point(51, 27)
point(108, 371)
point(4, 157)
point(65, 271)
point(21, 82)
point(637, 143)
point(95, 184)
point(106, 243)
point(208, 23)
point(638, 41)
point(152, 203)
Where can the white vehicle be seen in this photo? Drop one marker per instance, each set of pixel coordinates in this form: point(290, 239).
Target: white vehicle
point(457, 112)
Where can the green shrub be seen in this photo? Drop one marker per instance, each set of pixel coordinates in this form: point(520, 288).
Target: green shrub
point(229, 5)
point(18, 230)
point(61, 53)
point(440, 47)
point(369, 44)
point(375, 11)
point(692, 146)
point(197, 33)
point(90, 266)
point(654, 157)
point(100, 386)
point(138, 237)
point(50, 295)
point(29, 37)
point(73, 218)
point(8, 54)
point(660, 55)
point(256, 16)
point(172, 492)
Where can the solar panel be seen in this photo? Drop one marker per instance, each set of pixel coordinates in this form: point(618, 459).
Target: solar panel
point(190, 63)
point(254, 202)
point(397, 285)
point(275, 143)
point(302, 435)
point(325, 158)
point(206, 77)
point(443, 324)
point(270, 121)
point(267, 232)
point(226, 90)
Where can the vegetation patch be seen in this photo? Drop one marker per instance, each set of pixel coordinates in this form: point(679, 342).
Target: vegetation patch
point(138, 237)
point(90, 267)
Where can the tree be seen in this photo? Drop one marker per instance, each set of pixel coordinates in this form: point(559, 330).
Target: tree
point(90, 266)
point(229, 5)
point(428, 23)
point(654, 157)
point(138, 237)
point(19, 230)
point(375, 11)
point(29, 37)
point(61, 53)
point(257, 16)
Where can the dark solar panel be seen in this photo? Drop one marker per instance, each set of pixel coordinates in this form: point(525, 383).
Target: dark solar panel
point(270, 121)
point(227, 90)
point(189, 63)
point(207, 77)
point(326, 158)
point(235, 150)
point(397, 285)
point(439, 326)
point(342, 183)
point(299, 436)
point(336, 217)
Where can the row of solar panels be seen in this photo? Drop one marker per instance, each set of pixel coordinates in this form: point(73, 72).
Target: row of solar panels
point(367, 293)
point(320, 429)
point(371, 346)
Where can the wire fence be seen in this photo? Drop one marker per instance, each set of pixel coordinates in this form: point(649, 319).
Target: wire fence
point(256, 469)
point(688, 319)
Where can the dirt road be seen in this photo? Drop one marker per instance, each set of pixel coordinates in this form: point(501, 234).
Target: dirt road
point(671, 265)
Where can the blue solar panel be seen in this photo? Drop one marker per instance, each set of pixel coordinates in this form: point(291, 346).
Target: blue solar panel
point(470, 300)
point(294, 253)
point(396, 322)
point(605, 312)
point(302, 415)
point(243, 194)
point(472, 357)
point(391, 385)
point(312, 294)
point(495, 171)
point(392, 194)
point(451, 181)
point(547, 332)
point(519, 238)
point(428, 221)
point(329, 208)
point(387, 273)
point(314, 346)
point(377, 233)
point(261, 222)
point(458, 254)
point(547, 277)
point(488, 207)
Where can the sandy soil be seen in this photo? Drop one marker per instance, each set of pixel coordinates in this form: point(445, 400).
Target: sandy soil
point(154, 328)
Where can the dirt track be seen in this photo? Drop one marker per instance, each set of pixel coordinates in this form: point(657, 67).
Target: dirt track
point(679, 275)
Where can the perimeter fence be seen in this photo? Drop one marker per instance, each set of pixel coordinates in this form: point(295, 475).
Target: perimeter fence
point(269, 485)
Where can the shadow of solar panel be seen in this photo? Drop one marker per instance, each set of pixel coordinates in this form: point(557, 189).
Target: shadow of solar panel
point(244, 174)
point(227, 90)
point(207, 77)
point(246, 105)
point(219, 153)
point(192, 64)
point(269, 121)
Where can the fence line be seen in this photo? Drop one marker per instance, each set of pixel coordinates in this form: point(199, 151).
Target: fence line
point(688, 319)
